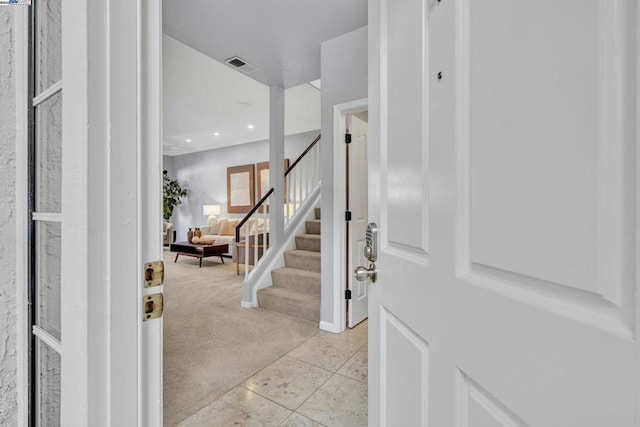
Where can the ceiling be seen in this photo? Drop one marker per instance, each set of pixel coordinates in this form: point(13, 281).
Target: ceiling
point(280, 37)
point(208, 104)
point(202, 97)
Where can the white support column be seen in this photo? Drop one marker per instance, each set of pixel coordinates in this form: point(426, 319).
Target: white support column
point(276, 163)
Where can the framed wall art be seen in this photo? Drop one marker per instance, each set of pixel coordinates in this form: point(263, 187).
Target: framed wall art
point(263, 179)
point(240, 188)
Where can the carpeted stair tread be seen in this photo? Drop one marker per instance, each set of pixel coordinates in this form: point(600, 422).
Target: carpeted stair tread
point(318, 213)
point(296, 279)
point(291, 302)
point(308, 242)
point(304, 260)
point(313, 226)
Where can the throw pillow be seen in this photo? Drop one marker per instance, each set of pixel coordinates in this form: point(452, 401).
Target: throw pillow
point(228, 228)
point(215, 224)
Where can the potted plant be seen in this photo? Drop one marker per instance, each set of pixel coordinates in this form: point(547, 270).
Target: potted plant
point(172, 195)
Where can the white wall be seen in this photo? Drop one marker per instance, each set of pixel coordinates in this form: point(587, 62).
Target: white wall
point(8, 346)
point(344, 78)
point(204, 175)
point(167, 164)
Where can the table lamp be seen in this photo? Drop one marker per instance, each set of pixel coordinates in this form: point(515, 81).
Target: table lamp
point(211, 211)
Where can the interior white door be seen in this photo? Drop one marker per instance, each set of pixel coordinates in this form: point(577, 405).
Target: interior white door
point(357, 306)
point(503, 162)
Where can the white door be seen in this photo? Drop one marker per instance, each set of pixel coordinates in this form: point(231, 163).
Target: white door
point(357, 306)
point(503, 164)
point(111, 212)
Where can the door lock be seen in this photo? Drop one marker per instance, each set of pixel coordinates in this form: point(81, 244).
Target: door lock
point(362, 273)
point(371, 244)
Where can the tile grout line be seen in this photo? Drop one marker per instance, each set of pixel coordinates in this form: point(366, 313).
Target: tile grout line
point(310, 396)
point(339, 339)
point(295, 412)
point(270, 400)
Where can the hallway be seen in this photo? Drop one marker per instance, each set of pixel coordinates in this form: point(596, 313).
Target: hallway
point(224, 365)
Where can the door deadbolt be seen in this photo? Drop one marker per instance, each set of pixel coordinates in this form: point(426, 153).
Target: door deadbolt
point(362, 273)
point(371, 242)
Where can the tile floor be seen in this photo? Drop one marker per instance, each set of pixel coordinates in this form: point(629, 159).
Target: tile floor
point(317, 379)
point(322, 382)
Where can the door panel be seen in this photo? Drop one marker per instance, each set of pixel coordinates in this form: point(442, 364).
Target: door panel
point(49, 386)
point(48, 277)
point(547, 150)
point(479, 409)
point(48, 147)
point(44, 213)
point(405, 109)
point(522, 162)
point(401, 347)
point(358, 205)
point(48, 46)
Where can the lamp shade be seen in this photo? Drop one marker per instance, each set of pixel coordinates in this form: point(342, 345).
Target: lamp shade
point(211, 210)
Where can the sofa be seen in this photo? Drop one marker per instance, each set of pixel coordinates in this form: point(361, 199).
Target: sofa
point(168, 233)
point(223, 231)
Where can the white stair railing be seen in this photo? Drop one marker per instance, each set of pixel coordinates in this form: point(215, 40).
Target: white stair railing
point(252, 233)
point(301, 178)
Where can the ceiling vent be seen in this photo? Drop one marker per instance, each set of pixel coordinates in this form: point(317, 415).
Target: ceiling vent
point(240, 65)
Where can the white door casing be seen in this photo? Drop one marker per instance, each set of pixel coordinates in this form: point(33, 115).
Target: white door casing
point(503, 175)
point(341, 282)
point(357, 306)
point(112, 364)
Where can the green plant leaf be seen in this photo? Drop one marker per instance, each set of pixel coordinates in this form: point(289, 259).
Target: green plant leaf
point(172, 195)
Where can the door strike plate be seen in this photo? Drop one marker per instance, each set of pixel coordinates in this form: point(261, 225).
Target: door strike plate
point(152, 306)
point(153, 274)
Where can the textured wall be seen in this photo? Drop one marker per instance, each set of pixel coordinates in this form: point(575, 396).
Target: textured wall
point(8, 374)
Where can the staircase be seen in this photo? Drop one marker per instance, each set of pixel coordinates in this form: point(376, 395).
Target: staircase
point(296, 286)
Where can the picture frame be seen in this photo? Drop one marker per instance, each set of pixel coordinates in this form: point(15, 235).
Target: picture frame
point(262, 176)
point(240, 188)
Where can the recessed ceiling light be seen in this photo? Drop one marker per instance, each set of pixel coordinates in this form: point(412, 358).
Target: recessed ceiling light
point(188, 140)
point(216, 134)
point(250, 127)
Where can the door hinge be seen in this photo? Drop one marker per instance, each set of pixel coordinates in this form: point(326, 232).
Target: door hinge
point(347, 216)
point(347, 138)
point(347, 294)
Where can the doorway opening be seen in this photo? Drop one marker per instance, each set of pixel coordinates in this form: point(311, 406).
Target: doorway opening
point(221, 359)
point(351, 131)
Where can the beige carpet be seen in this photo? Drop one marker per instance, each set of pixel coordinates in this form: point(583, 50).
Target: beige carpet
point(211, 344)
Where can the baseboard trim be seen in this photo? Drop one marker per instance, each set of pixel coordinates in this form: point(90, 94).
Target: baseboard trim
point(248, 304)
point(330, 327)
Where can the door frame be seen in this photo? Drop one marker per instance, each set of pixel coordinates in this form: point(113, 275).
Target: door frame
point(22, 209)
point(111, 371)
point(339, 196)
